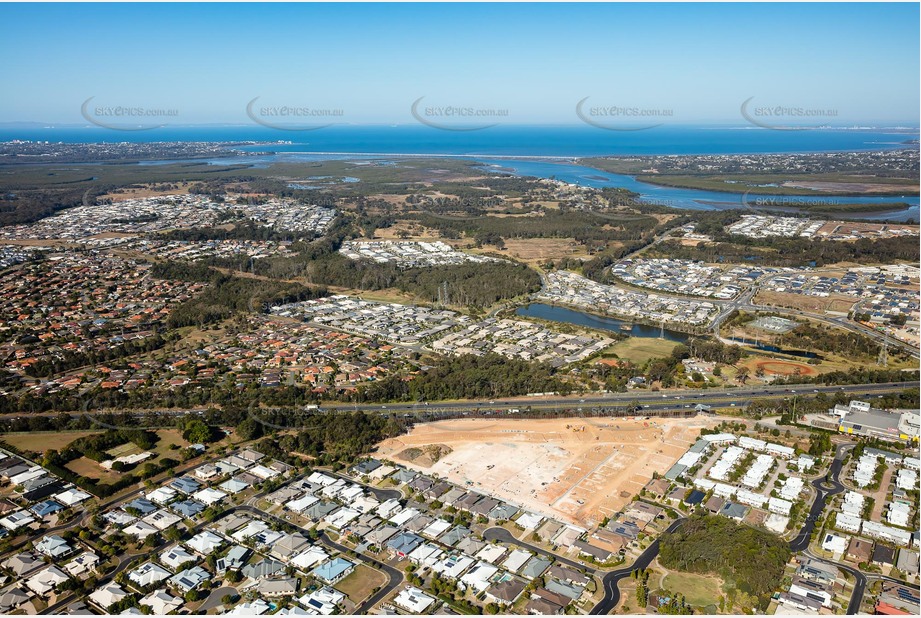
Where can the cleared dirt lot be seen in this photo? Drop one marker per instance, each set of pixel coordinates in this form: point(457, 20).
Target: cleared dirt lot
point(576, 470)
point(834, 302)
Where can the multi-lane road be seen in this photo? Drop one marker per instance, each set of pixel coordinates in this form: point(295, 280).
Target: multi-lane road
point(650, 401)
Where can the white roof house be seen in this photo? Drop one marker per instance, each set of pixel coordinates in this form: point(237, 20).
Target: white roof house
point(140, 529)
point(529, 521)
point(883, 532)
point(338, 519)
point(17, 520)
point(400, 518)
point(148, 573)
point(834, 543)
point(779, 506)
point(805, 463)
point(162, 519)
point(256, 607)
point(750, 498)
point(516, 560)
point(853, 503)
point(72, 496)
point(175, 557)
point(479, 576)
point(161, 602)
point(779, 450)
point(753, 444)
point(491, 553)
point(792, 487)
point(252, 528)
point(45, 580)
point(84, 563)
point(205, 542)
point(719, 438)
point(365, 504)
point(427, 554)
point(263, 472)
point(209, 496)
point(436, 529)
point(898, 514)
point(322, 601)
point(313, 556)
point(162, 495)
point(108, 595)
point(388, 508)
point(847, 523)
point(413, 600)
point(451, 566)
point(302, 503)
point(318, 478)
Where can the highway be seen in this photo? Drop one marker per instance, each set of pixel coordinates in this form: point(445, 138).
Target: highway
point(652, 401)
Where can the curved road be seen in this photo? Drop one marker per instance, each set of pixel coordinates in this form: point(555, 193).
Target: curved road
point(504, 536)
point(610, 580)
point(824, 489)
point(381, 494)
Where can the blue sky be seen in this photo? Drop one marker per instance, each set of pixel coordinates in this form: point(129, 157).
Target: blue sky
point(700, 62)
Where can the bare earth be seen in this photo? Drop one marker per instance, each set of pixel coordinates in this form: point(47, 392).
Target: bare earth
point(575, 470)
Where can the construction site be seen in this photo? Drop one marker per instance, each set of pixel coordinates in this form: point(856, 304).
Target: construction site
point(575, 470)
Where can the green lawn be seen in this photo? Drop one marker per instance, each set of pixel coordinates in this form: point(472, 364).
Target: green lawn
point(640, 349)
point(699, 590)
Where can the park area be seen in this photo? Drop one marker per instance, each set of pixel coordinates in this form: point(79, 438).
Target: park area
point(638, 350)
point(578, 470)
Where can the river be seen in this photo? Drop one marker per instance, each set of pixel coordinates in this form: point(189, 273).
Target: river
point(695, 199)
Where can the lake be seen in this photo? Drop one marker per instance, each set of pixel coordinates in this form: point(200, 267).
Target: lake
point(588, 320)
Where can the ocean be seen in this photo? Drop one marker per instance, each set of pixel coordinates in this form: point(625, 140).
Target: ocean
point(541, 151)
point(502, 141)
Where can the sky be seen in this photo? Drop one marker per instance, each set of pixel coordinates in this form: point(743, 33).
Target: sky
point(683, 63)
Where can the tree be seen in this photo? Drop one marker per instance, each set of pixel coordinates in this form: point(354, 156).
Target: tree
point(249, 429)
point(196, 431)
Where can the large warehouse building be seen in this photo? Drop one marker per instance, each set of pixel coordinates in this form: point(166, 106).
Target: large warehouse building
point(860, 419)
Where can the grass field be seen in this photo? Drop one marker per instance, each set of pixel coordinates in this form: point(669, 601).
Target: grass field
point(640, 349)
point(168, 437)
point(835, 302)
point(699, 590)
point(85, 466)
point(39, 442)
point(533, 251)
point(359, 584)
point(128, 448)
